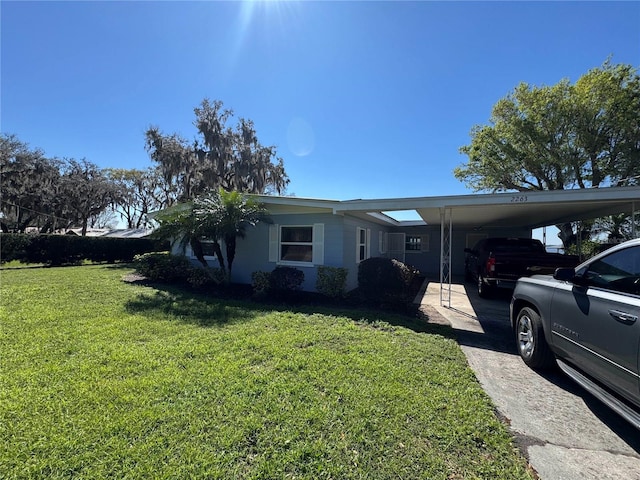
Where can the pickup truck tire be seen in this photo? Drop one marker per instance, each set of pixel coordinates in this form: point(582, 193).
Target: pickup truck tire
point(532, 346)
point(484, 290)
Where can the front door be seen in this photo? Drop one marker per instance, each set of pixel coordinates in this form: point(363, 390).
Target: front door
point(396, 246)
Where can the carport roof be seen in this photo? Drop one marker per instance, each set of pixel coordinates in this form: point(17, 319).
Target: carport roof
point(525, 209)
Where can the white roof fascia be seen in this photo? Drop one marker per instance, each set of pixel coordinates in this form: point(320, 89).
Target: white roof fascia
point(541, 196)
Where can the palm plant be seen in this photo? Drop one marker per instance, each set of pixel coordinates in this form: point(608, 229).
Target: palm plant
point(239, 212)
point(215, 216)
point(178, 223)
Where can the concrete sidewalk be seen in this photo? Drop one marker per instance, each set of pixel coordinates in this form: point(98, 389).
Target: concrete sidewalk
point(564, 432)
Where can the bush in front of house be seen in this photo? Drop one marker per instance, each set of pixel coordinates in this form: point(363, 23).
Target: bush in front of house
point(332, 281)
point(260, 283)
point(286, 279)
point(280, 282)
point(164, 267)
point(385, 279)
point(200, 277)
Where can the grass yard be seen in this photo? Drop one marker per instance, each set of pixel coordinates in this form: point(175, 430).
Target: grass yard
point(100, 378)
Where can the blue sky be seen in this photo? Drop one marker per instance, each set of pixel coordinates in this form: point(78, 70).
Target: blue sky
point(361, 99)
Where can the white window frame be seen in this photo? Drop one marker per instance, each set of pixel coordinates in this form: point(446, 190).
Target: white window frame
point(317, 244)
point(189, 252)
point(383, 240)
point(424, 243)
point(363, 249)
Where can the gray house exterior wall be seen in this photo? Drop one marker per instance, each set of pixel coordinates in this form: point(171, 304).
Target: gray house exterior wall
point(340, 247)
point(469, 218)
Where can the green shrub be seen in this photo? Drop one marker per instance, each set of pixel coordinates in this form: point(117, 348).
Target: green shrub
point(13, 246)
point(163, 267)
point(332, 281)
point(57, 250)
point(588, 249)
point(199, 277)
point(261, 283)
point(286, 279)
point(385, 278)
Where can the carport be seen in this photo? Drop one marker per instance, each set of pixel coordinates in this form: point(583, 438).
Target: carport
point(529, 210)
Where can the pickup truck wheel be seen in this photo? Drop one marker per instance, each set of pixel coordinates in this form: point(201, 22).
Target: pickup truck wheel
point(532, 346)
point(484, 290)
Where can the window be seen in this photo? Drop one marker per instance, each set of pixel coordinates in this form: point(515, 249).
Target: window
point(383, 239)
point(297, 244)
point(619, 271)
point(363, 240)
point(416, 243)
point(207, 248)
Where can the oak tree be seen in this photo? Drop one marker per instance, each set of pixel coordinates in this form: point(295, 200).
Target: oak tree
point(564, 136)
point(221, 156)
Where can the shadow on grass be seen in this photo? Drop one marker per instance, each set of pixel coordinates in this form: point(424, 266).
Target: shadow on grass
point(233, 304)
point(189, 307)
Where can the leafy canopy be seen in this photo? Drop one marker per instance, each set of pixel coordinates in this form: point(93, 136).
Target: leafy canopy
point(222, 157)
point(215, 216)
point(557, 137)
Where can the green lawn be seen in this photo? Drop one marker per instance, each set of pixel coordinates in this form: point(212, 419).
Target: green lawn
point(105, 379)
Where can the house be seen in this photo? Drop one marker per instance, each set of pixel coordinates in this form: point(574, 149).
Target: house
point(306, 233)
point(91, 232)
point(128, 233)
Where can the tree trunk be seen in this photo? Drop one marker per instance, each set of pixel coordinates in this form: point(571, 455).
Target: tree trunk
point(566, 234)
point(218, 252)
point(196, 246)
point(230, 242)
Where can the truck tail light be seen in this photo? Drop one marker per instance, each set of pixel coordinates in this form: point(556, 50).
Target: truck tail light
point(491, 265)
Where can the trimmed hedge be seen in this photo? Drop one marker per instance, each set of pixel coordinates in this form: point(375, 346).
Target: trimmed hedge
point(13, 247)
point(167, 268)
point(385, 278)
point(332, 281)
point(280, 283)
point(286, 279)
point(55, 250)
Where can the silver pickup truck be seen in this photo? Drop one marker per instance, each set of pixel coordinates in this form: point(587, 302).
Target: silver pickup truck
point(586, 320)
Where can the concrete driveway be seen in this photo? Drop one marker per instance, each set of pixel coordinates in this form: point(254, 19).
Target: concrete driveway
point(564, 431)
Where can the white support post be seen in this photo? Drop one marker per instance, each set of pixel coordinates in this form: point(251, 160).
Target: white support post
point(445, 256)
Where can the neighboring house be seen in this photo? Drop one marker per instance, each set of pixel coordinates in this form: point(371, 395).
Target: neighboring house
point(307, 233)
point(128, 233)
point(91, 232)
point(106, 232)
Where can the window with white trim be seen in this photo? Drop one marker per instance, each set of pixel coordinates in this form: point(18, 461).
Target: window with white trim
point(383, 239)
point(207, 248)
point(297, 244)
point(363, 244)
point(416, 243)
